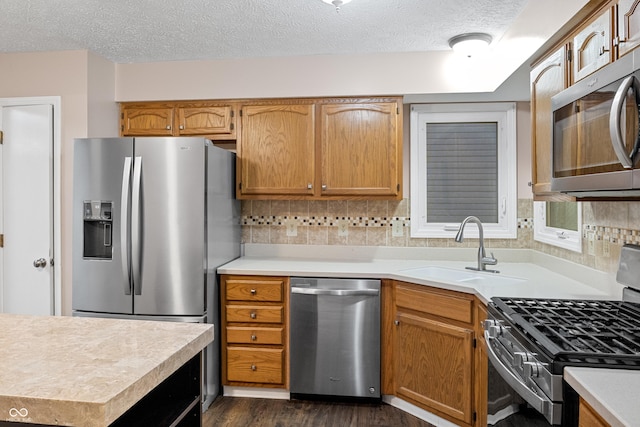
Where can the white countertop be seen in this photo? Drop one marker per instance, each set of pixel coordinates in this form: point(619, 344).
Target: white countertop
point(540, 275)
point(80, 371)
point(613, 393)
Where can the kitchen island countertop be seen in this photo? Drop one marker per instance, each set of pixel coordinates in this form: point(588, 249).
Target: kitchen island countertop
point(87, 372)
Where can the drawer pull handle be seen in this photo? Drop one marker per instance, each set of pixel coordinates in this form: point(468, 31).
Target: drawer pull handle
point(253, 367)
point(253, 338)
point(253, 291)
point(252, 315)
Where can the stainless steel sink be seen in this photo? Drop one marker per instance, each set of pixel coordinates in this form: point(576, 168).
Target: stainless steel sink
point(444, 274)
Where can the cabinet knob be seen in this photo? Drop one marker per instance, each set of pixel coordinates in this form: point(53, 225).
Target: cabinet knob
point(181, 127)
point(309, 186)
point(252, 315)
point(253, 338)
point(396, 322)
point(168, 127)
point(253, 367)
point(324, 187)
point(253, 291)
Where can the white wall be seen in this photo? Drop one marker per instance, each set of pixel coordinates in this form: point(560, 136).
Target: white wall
point(86, 84)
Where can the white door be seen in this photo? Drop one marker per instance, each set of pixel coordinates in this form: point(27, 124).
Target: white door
point(27, 209)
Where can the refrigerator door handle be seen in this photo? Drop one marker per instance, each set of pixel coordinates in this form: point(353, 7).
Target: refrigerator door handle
point(124, 227)
point(136, 256)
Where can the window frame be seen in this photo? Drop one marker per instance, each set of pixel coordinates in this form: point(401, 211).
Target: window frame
point(560, 237)
point(504, 113)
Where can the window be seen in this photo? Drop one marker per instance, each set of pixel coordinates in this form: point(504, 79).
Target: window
point(463, 162)
point(558, 224)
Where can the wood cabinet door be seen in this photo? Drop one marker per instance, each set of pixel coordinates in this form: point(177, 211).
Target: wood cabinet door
point(276, 150)
point(147, 122)
point(360, 149)
point(628, 15)
point(588, 417)
point(205, 120)
point(592, 46)
point(480, 367)
point(433, 366)
point(547, 79)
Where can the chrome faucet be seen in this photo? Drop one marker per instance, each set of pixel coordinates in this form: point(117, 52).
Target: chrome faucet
point(483, 259)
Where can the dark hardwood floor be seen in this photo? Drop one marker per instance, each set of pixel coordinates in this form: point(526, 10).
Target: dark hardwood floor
point(241, 412)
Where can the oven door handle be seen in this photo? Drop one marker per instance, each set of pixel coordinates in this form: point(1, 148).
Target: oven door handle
point(615, 118)
point(551, 411)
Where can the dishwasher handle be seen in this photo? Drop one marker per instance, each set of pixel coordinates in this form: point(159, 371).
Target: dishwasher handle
point(335, 292)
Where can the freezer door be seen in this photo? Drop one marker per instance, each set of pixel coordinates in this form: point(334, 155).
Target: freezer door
point(100, 282)
point(168, 226)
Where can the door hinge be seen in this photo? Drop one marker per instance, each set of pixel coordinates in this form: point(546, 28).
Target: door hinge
point(475, 343)
point(1, 137)
point(475, 416)
point(397, 187)
point(240, 185)
point(240, 112)
point(1, 240)
point(122, 116)
point(570, 55)
point(232, 113)
point(397, 110)
point(231, 126)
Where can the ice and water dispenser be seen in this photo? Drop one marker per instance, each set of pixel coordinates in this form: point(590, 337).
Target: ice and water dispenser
point(98, 229)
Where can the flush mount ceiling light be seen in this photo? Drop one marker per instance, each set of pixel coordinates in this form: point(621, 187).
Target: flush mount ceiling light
point(337, 3)
point(470, 44)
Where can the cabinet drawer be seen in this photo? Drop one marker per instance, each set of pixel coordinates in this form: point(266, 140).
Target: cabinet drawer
point(447, 305)
point(248, 335)
point(260, 365)
point(255, 290)
point(254, 314)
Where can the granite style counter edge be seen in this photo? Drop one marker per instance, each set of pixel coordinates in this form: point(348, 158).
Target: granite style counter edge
point(87, 371)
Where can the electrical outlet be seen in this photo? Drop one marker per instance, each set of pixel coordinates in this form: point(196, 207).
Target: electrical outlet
point(292, 228)
point(606, 250)
point(343, 227)
point(397, 228)
point(591, 244)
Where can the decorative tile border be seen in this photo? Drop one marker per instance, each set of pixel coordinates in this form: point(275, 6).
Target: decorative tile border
point(324, 221)
point(615, 235)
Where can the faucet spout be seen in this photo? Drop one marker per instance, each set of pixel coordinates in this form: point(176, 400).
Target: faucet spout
point(483, 259)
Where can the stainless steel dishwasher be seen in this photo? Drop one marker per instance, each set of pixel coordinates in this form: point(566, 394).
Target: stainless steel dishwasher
point(335, 337)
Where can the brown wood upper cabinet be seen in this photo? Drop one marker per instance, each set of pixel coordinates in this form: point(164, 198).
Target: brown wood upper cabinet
point(628, 17)
point(276, 152)
point(214, 120)
point(592, 45)
point(320, 148)
point(548, 77)
point(359, 149)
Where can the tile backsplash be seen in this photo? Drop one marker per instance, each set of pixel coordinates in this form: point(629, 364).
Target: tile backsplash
point(386, 223)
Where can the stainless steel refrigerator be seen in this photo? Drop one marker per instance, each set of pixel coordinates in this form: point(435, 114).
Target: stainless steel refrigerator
point(153, 218)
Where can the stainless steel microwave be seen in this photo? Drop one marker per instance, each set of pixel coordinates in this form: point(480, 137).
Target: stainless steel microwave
point(596, 136)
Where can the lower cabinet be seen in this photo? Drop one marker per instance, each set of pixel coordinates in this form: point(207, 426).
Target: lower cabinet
point(434, 352)
point(254, 319)
point(588, 417)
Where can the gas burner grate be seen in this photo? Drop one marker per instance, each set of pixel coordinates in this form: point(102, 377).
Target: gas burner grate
point(602, 332)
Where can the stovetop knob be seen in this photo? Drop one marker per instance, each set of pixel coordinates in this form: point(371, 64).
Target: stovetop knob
point(519, 357)
point(531, 369)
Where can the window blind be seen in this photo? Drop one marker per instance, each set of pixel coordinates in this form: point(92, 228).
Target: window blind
point(462, 171)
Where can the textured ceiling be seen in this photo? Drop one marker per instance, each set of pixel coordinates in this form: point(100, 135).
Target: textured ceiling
point(128, 31)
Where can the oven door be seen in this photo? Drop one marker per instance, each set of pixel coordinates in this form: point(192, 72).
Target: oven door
point(511, 399)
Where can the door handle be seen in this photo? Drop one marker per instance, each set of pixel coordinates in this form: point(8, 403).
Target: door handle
point(40, 263)
point(335, 292)
point(124, 225)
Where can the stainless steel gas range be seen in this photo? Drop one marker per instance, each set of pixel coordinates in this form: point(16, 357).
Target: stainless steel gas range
point(531, 341)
